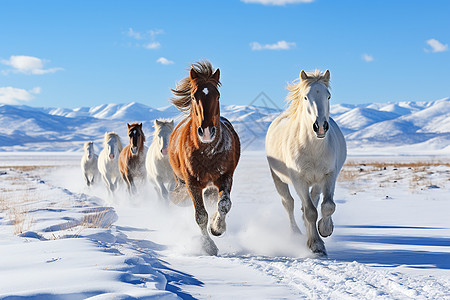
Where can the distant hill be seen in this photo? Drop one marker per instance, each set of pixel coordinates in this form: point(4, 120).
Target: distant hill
point(403, 125)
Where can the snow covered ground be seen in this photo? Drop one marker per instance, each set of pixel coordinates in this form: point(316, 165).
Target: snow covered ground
point(62, 240)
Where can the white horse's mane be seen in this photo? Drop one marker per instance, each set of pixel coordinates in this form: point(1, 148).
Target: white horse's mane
point(298, 87)
point(165, 123)
point(109, 136)
point(86, 145)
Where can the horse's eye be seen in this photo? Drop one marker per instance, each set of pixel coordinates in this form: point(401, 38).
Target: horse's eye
point(306, 98)
point(329, 97)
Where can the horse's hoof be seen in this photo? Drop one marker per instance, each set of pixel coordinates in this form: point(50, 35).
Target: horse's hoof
point(209, 246)
point(320, 254)
point(325, 227)
point(218, 225)
point(317, 247)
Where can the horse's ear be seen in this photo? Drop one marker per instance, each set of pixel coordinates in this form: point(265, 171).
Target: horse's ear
point(216, 75)
point(140, 125)
point(156, 122)
point(171, 123)
point(193, 74)
point(326, 76)
point(303, 75)
point(129, 126)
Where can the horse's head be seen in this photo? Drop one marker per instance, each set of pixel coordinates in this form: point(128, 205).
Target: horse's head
point(205, 108)
point(316, 100)
point(112, 145)
point(163, 129)
point(89, 149)
point(136, 137)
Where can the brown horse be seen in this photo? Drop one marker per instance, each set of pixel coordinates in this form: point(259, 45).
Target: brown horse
point(132, 157)
point(204, 149)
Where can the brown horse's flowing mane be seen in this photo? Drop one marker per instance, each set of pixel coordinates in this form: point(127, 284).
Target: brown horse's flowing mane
point(187, 86)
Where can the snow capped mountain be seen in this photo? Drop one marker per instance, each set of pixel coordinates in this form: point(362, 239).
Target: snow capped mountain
point(24, 128)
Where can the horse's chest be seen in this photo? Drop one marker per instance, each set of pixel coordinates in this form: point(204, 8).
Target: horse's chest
point(311, 169)
point(209, 167)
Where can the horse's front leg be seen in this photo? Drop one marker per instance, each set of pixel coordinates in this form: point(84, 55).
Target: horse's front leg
point(325, 224)
point(218, 224)
point(201, 215)
point(86, 179)
point(314, 242)
point(162, 189)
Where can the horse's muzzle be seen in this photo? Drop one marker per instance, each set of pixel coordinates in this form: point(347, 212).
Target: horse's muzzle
point(111, 156)
point(134, 150)
point(320, 130)
point(165, 151)
point(206, 135)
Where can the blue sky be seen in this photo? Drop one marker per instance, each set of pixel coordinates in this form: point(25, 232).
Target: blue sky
point(85, 53)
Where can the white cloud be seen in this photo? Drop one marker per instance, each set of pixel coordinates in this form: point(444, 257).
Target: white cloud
point(27, 65)
point(155, 32)
point(281, 45)
point(277, 2)
point(133, 34)
point(367, 57)
point(147, 38)
point(164, 61)
point(11, 95)
point(436, 46)
point(152, 45)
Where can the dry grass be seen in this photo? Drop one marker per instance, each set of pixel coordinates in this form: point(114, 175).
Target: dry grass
point(417, 175)
point(97, 220)
point(26, 168)
point(15, 201)
point(20, 219)
point(413, 165)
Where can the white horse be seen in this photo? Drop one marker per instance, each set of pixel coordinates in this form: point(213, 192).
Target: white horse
point(306, 148)
point(108, 160)
point(89, 167)
point(159, 171)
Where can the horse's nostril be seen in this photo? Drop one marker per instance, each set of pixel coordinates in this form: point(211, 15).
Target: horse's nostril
point(326, 125)
point(213, 131)
point(200, 131)
point(316, 126)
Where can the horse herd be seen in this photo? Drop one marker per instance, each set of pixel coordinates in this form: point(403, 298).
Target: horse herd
point(196, 159)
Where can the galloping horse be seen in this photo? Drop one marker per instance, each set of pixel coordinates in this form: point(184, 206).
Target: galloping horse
point(204, 149)
point(108, 160)
point(89, 167)
point(306, 148)
point(132, 157)
point(159, 171)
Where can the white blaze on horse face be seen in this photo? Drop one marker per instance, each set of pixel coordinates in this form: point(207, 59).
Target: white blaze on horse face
point(205, 91)
point(318, 108)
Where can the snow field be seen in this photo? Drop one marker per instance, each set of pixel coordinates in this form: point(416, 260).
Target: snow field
point(391, 238)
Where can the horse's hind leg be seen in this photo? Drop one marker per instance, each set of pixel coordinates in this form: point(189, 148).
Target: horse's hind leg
point(179, 194)
point(287, 200)
point(325, 224)
point(218, 224)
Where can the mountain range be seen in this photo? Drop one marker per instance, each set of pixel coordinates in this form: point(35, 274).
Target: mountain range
point(423, 126)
